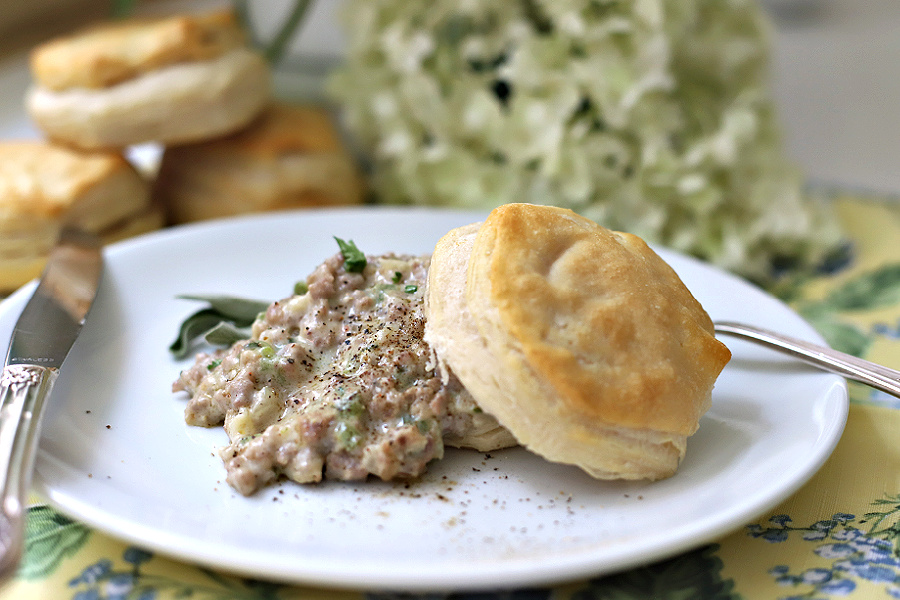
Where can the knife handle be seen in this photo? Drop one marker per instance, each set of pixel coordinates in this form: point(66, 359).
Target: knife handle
point(23, 389)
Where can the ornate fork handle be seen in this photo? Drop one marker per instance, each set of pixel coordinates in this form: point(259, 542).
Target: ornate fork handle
point(851, 367)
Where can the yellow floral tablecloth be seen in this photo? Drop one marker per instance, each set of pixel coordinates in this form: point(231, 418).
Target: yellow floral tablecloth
point(838, 537)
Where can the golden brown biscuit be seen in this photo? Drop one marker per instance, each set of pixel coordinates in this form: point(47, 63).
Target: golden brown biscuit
point(579, 340)
point(43, 186)
point(291, 157)
point(104, 55)
point(169, 80)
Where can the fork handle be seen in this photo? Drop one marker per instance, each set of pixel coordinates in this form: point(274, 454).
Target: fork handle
point(834, 361)
point(23, 389)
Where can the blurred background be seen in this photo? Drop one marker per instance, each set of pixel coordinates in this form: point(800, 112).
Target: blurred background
point(835, 74)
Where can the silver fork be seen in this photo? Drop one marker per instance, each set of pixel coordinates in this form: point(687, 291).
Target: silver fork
point(851, 367)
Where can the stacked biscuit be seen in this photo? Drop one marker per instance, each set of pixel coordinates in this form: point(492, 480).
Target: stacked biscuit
point(43, 186)
point(188, 83)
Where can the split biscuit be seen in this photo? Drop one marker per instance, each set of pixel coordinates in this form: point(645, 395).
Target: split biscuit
point(168, 80)
point(291, 157)
point(43, 187)
point(581, 341)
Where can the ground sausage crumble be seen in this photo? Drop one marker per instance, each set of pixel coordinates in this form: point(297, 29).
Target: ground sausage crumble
point(336, 382)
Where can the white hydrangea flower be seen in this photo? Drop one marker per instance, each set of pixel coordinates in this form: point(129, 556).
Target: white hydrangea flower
point(649, 116)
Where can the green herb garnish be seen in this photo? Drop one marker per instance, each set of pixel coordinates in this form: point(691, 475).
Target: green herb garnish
point(354, 259)
point(397, 277)
point(224, 321)
point(411, 289)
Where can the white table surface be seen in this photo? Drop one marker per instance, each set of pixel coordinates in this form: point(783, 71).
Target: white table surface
point(835, 78)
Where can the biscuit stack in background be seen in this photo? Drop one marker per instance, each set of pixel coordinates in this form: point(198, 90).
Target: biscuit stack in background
point(187, 84)
point(291, 157)
point(43, 185)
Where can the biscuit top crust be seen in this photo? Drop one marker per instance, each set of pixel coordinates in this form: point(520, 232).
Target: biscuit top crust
point(110, 53)
point(38, 179)
point(601, 319)
point(282, 128)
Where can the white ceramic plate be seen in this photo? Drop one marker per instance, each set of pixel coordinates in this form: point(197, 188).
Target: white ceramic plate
point(116, 453)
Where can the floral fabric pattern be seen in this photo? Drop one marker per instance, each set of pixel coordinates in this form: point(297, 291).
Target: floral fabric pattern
point(855, 554)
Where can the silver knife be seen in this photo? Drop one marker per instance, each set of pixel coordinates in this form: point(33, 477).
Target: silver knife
point(44, 333)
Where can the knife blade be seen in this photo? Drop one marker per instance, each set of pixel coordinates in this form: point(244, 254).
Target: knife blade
point(43, 335)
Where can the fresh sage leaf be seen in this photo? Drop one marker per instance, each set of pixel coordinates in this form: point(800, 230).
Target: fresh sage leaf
point(226, 334)
point(193, 328)
point(242, 311)
point(224, 321)
point(354, 259)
